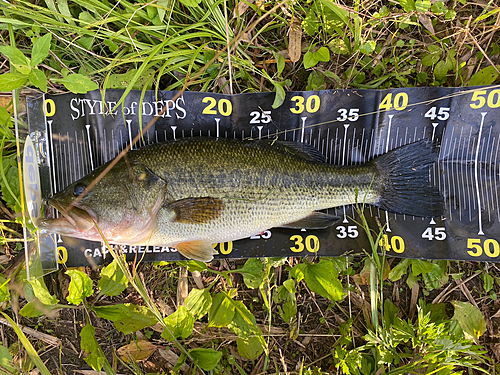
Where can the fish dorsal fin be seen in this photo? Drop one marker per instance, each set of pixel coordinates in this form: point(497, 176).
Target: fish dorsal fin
point(297, 149)
point(317, 220)
point(196, 250)
point(196, 210)
point(303, 151)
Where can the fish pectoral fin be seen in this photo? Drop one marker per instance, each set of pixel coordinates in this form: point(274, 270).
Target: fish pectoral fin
point(196, 250)
point(198, 210)
point(317, 220)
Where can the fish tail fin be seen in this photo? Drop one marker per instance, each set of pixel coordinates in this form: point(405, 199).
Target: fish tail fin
point(405, 185)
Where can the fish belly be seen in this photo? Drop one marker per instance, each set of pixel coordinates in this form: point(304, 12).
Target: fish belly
point(243, 218)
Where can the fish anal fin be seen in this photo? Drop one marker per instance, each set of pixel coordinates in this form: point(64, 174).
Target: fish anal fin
point(317, 220)
point(196, 210)
point(196, 250)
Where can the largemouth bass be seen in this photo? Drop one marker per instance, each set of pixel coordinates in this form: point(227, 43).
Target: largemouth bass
point(191, 193)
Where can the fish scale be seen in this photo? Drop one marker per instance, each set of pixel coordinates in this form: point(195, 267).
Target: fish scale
point(193, 192)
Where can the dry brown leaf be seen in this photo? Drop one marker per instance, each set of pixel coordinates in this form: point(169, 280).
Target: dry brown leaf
point(363, 277)
point(182, 286)
point(136, 351)
point(295, 41)
point(496, 350)
point(426, 21)
point(172, 358)
point(242, 7)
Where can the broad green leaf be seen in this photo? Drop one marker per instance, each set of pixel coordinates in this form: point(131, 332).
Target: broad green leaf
point(315, 81)
point(341, 13)
point(290, 286)
point(470, 318)
point(122, 81)
point(41, 49)
point(368, 47)
point(422, 5)
point(285, 295)
point(390, 312)
point(310, 24)
point(113, 281)
point(433, 56)
point(309, 60)
point(280, 62)
point(86, 42)
point(280, 95)
point(6, 360)
point(112, 312)
point(322, 278)
point(41, 292)
point(198, 302)
point(280, 294)
point(486, 76)
point(206, 359)
point(488, 281)
point(288, 311)
point(408, 5)
point(111, 45)
point(38, 79)
point(322, 54)
point(420, 266)
point(23, 69)
point(62, 5)
point(245, 326)
point(249, 347)
point(14, 55)
point(221, 312)
point(436, 277)
point(297, 272)
point(127, 318)
point(12, 81)
point(439, 8)
point(440, 70)
point(244, 323)
point(35, 308)
point(193, 265)
point(86, 17)
point(95, 357)
point(4, 289)
point(338, 46)
point(77, 83)
point(450, 14)
point(180, 324)
point(10, 185)
point(400, 270)
point(162, 6)
point(79, 287)
point(5, 118)
point(253, 272)
point(411, 280)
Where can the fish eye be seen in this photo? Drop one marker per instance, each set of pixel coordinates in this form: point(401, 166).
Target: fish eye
point(79, 189)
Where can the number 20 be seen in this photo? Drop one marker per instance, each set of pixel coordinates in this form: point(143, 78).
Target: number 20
point(224, 106)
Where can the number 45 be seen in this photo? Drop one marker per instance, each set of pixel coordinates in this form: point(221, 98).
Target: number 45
point(438, 234)
point(442, 114)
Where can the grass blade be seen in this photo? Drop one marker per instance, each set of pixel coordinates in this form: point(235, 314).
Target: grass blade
point(29, 348)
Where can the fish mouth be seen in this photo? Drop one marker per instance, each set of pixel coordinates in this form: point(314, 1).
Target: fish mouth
point(73, 220)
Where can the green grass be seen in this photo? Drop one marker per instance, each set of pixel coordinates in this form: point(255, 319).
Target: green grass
point(269, 315)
